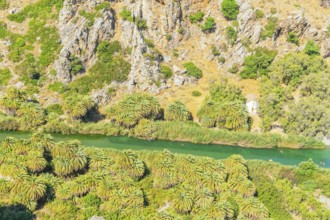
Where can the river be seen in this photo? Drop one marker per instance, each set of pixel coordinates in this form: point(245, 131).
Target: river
point(280, 155)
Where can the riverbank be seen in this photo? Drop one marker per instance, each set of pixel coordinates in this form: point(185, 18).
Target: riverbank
point(280, 155)
point(181, 131)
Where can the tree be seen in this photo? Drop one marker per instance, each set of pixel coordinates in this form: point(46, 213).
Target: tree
point(184, 200)
point(31, 115)
point(312, 48)
point(12, 101)
point(256, 65)
point(76, 105)
point(129, 111)
point(177, 112)
point(209, 25)
point(253, 209)
point(193, 70)
point(230, 9)
point(146, 129)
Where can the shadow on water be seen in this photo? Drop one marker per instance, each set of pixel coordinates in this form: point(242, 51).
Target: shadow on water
point(280, 155)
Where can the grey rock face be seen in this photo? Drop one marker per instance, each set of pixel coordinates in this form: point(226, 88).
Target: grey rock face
point(325, 3)
point(325, 49)
point(77, 38)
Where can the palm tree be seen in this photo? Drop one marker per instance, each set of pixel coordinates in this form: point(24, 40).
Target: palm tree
point(31, 187)
point(236, 166)
point(45, 140)
point(35, 162)
point(62, 166)
point(177, 112)
point(76, 105)
point(183, 201)
point(253, 209)
point(204, 199)
point(236, 117)
point(130, 162)
point(31, 115)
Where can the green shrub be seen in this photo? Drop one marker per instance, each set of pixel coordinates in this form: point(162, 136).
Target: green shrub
point(215, 51)
point(166, 70)
point(57, 87)
point(54, 108)
point(259, 14)
point(197, 17)
point(4, 4)
point(221, 60)
point(231, 35)
point(312, 48)
point(230, 9)
point(149, 43)
point(142, 24)
point(273, 11)
point(5, 76)
point(102, 6)
point(307, 168)
point(177, 111)
point(145, 129)
point(169, 37)
point(3, 30)
point(193, 70)
point(76, 65)
point(257, 64)
point(209, 25)
point(126, 15)
point(293, 38)
point(89, 16)
point(270, 28)
point(196, 93)
point(233, 69)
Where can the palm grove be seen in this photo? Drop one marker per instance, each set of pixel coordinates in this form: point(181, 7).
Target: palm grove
point(47, 180)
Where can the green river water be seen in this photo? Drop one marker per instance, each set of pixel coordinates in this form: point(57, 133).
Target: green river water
point(283, 156)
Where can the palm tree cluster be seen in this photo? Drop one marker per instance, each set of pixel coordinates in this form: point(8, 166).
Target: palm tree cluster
point(123, 184)
point(225, 108)
point(129, 111)
point(177, 111)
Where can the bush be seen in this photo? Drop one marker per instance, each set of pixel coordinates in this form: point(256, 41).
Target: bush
point(259, 14)
point(126, 15)
point(196, 93)
point(54, 108)
point(307, 168)
point(312, 48)
point(177, 112)
point(270, 28)
point(57, 87)
point(4, 4)
point(149, 43)
point(256, 65)
point(166, 70)
point(231, 35)
point(293, 38)
point(197, 17)
point(76, 66)
point(209, 25)
point(230, 9)
point(233, 69)
point(193, 70)
point(141, 24)
point(5, 76)
point(145, 129)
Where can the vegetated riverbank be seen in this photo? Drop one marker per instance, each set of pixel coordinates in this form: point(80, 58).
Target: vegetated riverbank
point(182, 131)
point(285, 156)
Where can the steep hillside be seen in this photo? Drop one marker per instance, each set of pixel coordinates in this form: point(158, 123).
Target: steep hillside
point(174, 50)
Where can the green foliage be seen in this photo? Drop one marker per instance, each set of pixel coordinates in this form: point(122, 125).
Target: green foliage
point(166, 70)
point(307, 168)
point(197, 17)
point(5, 76)
point(129, 111)
point(102, 6)
point(109, 67)
point(145, 129)
point(54, 108)
point(42, 8)
point(231, 35)
point(292, 67)
point(256, 65)
point(149, 43)
point(89, 16)
point(224, 109)
point(230, 9)
point(77, 105)
point(233, 69)
point(312, 48)
point(126, 15)
point(270, 28)
point(193, 70)
point(259, 14)
point(76, 66)
point(293, 38)
point(196, 93)
point(3, 30)
point(57, 87)
point(209, 25)
point(141, 24)
point(177, 111)
point(4, 4)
